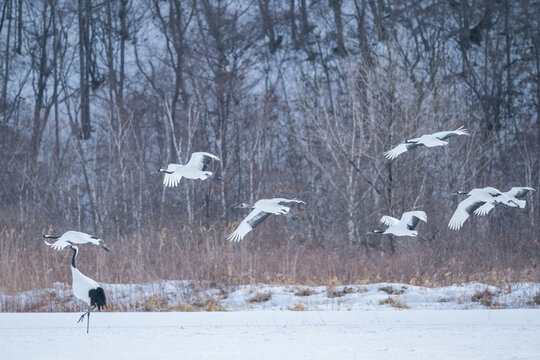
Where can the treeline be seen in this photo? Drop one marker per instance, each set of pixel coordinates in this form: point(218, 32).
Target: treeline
point(298, 98)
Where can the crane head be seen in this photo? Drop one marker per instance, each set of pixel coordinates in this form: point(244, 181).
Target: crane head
point(242, 206)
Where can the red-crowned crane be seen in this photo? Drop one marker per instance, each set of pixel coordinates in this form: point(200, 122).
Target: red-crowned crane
point(86, 290)
point(262, 210)
point(429, 140)
point(477, 198)
point(515, 194)
point(194, 169)
point(74, 237)
point(404, 226)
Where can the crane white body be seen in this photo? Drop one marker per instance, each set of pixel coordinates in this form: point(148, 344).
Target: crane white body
point(86, 289)
point(429, 140)
point(262, 209)
point(404, 226)
point(477, 198)
point(74, 237)
point(194, 169)
point(81, 285)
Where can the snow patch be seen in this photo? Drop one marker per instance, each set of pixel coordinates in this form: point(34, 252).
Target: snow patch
point(189, 296)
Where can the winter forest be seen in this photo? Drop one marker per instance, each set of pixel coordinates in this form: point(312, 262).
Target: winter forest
point(299, 99)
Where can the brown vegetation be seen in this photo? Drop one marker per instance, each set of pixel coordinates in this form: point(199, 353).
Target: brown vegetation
point(260, 297)
point(486, 298)
point(390, 290)
point(304, 292)
point(394, 302)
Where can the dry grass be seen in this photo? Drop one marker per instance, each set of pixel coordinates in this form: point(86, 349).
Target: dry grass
point(536, 299)
point(304, 292)
point(394, 302)
point(153, 304)
point(298, 307)
point(260, 297)
point(212, 305)
point(332, 292)
point(203, 254)
point(486, 298)
point(444, 299)
point(390, 290)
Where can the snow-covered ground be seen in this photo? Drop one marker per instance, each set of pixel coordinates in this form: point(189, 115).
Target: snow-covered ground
point(379, 334)
point(205, 296)
point(373, 321)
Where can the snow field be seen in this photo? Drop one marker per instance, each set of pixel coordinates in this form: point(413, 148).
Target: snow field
point(380, 334)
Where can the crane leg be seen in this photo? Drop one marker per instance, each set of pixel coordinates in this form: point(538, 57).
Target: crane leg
point(292, 217)
point(215, 178)
point(83, 315)
point(421, 238)
point(88, 321)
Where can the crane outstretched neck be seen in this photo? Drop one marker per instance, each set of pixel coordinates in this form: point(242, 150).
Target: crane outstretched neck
point(75, 251)
point(51, 236)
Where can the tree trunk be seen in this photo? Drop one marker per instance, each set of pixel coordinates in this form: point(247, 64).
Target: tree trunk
point(84, 67)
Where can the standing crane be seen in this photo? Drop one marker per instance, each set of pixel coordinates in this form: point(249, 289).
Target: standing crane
point(86, 289)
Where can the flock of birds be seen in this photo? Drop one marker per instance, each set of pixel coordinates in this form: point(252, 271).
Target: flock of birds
point(479, 201)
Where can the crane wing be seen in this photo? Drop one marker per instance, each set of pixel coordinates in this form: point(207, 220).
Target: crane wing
point(172, 179)
point(411, 218)
point(443, 135)
point(484, 209)
point(250, 222)
point(519, 192)
point(59, 244)
point(283, 201)
point(463, 211)
point(401, 148)
point(389, 221)
point(71, 237)
point(200, 160)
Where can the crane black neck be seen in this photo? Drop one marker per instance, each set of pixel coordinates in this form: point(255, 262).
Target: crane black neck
point(74, 256)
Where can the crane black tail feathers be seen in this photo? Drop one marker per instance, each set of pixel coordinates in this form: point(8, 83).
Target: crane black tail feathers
point(97, 298)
